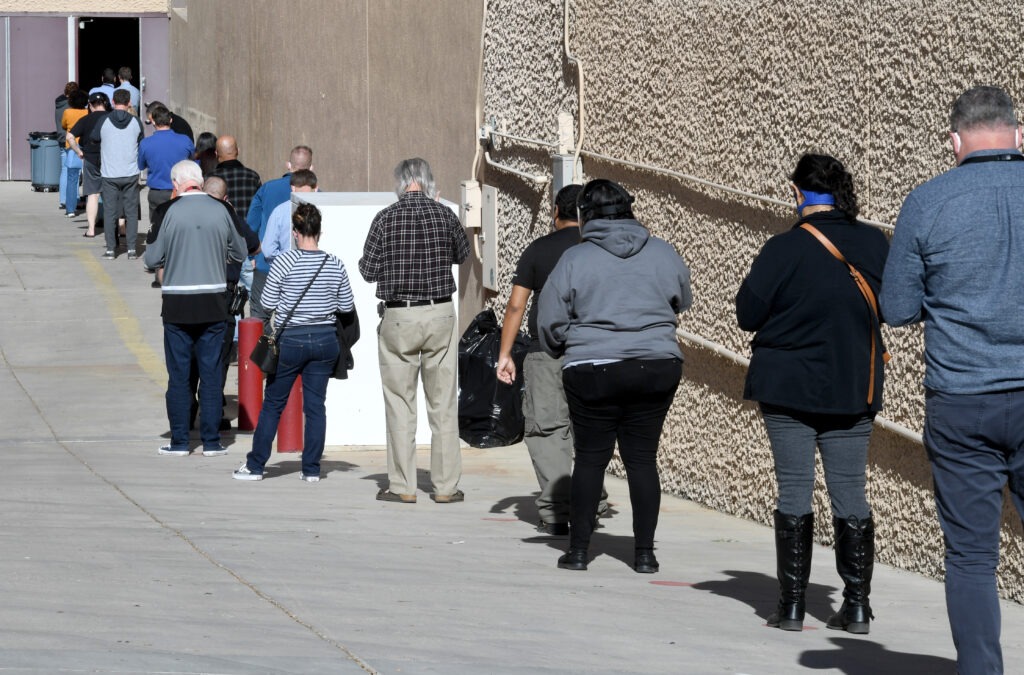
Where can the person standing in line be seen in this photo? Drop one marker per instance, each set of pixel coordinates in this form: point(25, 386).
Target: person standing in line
point(197, 235)
point(60, 104)
point(77, 109)
point(119, 135)
point(157, 154)
point(817, 375)
point(124, 81)
point(272, 194)
point(278, 237)
point(609, 310)
point(956, 264)
point(409, 253)
point(548, 433)
point(306, 287)
point(106, 85)
point(80, 141)
point(243, 182)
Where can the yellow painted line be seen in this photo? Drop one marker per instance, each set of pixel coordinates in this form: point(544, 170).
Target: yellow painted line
point(127, 326)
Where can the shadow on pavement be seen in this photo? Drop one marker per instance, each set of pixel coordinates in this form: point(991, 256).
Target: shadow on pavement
point(854, 656)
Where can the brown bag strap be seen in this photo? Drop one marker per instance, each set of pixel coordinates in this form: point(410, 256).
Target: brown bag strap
point(869, 297)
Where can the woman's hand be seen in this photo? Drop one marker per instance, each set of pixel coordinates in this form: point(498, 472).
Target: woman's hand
point(506, 369)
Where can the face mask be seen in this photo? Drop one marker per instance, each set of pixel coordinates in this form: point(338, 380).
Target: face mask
point(814, 199)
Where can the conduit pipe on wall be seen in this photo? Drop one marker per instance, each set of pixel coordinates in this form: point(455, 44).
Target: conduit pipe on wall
point(573, 59)
point(724, 351)
point(540, 179)
point(479, 90)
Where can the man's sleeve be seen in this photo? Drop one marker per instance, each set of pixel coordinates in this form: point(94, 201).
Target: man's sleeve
point(372, 262)
point(252, 242)
point(142, 157)
point(154, 255)
point(236, 244)
point(95, 134)
point(460, 244)
point(902, 296)
point(255, 214)
point(271, 244)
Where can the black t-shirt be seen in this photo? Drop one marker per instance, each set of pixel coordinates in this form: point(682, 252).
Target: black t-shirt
point(180, 126)
point(83, 132)
point(536, 264)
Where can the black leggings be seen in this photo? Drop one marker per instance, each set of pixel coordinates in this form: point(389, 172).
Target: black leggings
point(625, 401)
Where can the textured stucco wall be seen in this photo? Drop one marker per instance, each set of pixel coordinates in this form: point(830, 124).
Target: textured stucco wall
point(82, 7)
point(733, 92)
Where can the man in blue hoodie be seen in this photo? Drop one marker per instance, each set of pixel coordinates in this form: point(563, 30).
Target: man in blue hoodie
point(119, 135)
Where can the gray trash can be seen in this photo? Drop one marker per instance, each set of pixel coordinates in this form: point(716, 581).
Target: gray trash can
point(45, 160)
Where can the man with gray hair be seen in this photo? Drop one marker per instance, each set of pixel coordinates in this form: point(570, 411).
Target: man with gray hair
point(409, 253)
point(951, 228)
point(196, 236)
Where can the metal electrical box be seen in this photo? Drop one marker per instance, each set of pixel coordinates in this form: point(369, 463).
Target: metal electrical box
point(489, 237)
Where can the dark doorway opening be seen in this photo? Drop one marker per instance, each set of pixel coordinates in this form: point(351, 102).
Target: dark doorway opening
point(106, 42)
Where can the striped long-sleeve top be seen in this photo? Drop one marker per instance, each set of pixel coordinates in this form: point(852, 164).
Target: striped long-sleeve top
point(289, 276)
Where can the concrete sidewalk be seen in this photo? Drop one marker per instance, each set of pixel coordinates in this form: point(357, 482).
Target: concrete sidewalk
point(116, 560)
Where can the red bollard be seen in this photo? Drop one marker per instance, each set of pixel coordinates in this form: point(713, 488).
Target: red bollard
point(250, 378)
point(289, 430)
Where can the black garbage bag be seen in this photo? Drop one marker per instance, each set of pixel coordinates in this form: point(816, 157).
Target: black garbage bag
point(490, 411)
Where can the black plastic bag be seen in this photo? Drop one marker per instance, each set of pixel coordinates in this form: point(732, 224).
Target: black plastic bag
point(490, 411)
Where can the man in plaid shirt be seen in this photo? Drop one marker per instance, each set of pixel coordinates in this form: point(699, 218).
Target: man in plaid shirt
point(242, 181)
point(409, 253)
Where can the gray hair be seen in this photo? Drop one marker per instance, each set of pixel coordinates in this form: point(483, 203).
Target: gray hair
point(187, 171)
point(983, 106)
point(415, 170)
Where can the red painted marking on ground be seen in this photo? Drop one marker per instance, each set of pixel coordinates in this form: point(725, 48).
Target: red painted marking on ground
point(502, 520)
point(671, 583)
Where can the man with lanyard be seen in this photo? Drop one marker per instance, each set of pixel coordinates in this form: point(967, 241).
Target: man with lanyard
point(951, 228)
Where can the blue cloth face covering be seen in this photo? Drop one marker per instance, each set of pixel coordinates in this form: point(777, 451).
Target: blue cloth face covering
point(814, 199)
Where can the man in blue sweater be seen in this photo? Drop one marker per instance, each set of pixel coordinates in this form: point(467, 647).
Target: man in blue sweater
point(158, 153)
point(956, 264)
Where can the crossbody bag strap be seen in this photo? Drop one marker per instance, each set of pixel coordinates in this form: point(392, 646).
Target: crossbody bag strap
point(869, 297)
point(280, 328)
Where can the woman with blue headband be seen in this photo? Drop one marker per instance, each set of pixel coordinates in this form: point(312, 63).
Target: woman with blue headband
point(817, 374)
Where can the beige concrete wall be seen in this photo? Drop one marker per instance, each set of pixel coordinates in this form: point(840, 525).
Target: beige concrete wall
point(733, 92)
point(365, 83)
point(83, 7)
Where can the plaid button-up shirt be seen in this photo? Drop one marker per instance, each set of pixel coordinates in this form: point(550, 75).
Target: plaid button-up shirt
point(411, 247)
point(242, 182)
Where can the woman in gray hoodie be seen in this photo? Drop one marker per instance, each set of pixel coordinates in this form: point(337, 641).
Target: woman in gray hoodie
point(609, 308)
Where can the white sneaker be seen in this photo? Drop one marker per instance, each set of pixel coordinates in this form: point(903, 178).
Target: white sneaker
point(215, 452)
point(243, 473)
point(310, 479)
point(177, 452)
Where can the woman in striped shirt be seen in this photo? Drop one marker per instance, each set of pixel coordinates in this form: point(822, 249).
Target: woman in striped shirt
point(308, 342)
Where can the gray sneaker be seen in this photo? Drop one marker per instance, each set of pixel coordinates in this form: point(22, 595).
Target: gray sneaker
point(215, 451)
point(132, 255)
point(109, 255)
point(243, 473)
point(177, 452)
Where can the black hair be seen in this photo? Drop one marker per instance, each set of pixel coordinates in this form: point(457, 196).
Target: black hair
point(565, 200)
point(79, 99)
point(604, 199)
point(108, 76)
point(206, 141)
point(824, 173)
point(161, 116)
point(306, 220)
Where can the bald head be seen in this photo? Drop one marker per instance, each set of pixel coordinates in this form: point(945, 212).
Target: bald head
point(301, 158)
point(227, 148)
point(216, 187)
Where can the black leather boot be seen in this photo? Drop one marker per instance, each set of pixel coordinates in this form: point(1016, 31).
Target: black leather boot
point(574, 559)
point(855, 561)
point(794, 536)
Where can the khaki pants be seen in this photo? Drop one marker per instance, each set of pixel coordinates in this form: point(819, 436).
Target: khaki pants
point(414, 342)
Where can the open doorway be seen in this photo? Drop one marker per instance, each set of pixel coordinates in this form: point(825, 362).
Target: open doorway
point(106, 42)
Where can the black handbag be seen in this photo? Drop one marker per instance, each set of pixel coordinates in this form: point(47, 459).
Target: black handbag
point(347, 326)
point(266, 352)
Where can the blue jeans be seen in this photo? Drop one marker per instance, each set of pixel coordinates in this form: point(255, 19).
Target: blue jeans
point(180, 342)
point(62, 183)
point(71, 170)
point(976, 446)
point(309, 351)
point(842, 441)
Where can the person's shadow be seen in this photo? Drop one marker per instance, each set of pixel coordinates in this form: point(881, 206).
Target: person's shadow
point(761, 592)
point(423, 483)
point(524, 507)
point(855, 656)
point(294, 466)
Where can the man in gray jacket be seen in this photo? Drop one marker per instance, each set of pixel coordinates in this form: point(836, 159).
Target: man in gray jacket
point(196, 236)
point(119, 135)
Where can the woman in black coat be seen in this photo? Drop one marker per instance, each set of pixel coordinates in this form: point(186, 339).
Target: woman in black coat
point(817, 374)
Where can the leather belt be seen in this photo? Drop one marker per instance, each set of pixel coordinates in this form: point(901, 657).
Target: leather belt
point(391, 304)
